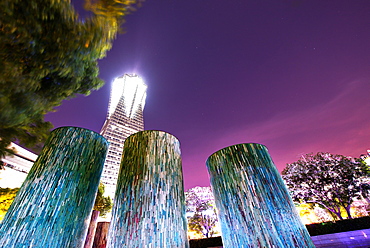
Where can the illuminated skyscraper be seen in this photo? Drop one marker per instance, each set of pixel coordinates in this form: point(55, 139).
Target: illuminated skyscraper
point(125, 117)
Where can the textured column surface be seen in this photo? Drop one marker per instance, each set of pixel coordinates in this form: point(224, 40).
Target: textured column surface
point(254, 206)
point(53, 206)
point(149, 208)
point(101, 234)
point(89, 241)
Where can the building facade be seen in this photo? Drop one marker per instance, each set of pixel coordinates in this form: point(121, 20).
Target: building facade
point(125, 117)
point(16, 167)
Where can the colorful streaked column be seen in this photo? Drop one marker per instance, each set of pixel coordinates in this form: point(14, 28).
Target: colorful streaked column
point(149, 209)
point(254, 206)
point(54, 204)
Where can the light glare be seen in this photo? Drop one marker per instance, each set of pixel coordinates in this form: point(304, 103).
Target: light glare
point(133, 91)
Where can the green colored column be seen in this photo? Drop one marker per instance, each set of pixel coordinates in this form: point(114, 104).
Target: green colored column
point(53, 206)
point(254, 206)
point(149, 209)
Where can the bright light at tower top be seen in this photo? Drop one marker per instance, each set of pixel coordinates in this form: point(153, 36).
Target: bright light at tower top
point(132, 89)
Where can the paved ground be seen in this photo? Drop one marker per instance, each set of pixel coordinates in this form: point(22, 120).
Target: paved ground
point(352, 239)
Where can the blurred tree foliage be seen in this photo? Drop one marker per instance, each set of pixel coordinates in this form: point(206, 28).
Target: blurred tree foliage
point(48, 54)
point(7, 196)
point(102, 204)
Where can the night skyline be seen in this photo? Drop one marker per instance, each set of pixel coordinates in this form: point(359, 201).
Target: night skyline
point(292, 75)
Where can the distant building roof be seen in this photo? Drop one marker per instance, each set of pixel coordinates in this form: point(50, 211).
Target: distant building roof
point(22, 160)
point(16, 167)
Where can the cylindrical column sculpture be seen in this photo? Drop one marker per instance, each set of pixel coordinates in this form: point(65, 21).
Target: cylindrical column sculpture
point(254, 205)
point(149, 208)
point(54, 204)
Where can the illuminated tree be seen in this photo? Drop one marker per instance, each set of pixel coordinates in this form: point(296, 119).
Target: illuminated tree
point(102, 204)
point(7, 196)
point(201, 211)
point(331, 181)
point(47, 55)
point(312, 213)
point(203, 222)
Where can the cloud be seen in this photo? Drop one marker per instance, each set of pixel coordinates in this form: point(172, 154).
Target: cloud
point(341, 125)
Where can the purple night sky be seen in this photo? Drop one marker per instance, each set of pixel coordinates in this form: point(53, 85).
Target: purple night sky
point(293, 75)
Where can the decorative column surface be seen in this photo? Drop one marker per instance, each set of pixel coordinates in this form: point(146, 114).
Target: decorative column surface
point(254, 205)
point(54, 204)
point(101, 234)
point(149, 204)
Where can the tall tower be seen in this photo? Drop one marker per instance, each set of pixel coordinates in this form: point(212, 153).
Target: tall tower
point(125, 117)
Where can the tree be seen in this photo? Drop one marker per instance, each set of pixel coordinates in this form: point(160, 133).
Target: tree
point(101, 207)
point(48, 54)
point(102, 204)
point(203, 222)
point(7, 196)
point(331, 181)
point(201, 211)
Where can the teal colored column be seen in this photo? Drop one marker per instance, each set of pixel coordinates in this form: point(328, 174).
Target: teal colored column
point(254, 206)
point(149, 209)
point(53, 206)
